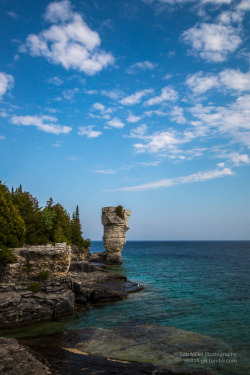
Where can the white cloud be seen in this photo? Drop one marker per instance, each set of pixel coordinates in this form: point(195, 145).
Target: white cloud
point(70, 93)
point(132, 118)
point(55, 81)
point(235, 158)
point(136, 98)
point(164, 141)
point(6, 83)
point(244, 5)
point(116, 123)
point(168, 76)
point(99, 106)
point(141, 66)
point(166, 94)
point(139, 131)
point(4, 114)
point(44, 123)
point(104, 171)
point(112, 94)
point(200, 83)
point(12, 14)
point(88, 131)
point(69, 41)
point(213, 42)
point(2, 137)
point(58, 11)
point(177, 114)
point(235, 79)
point(196, 177)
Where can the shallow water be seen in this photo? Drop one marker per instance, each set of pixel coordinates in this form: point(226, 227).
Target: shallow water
point(196, 286)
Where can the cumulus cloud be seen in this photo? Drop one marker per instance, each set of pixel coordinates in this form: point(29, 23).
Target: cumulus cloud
point(116, 123)
point(139, 131)
point(103, 111)
point(141, 66)
point(6, 83)
point(88, 131)
point(233, 79)
point(69, 41)
point(212, 41)
point(136, 97)
point(132, 118)
point(167, 182)
point(177, 115)
point(200, 83)
point(164, 141)
point(44, 123)
point(167, 94)
point(55, 81)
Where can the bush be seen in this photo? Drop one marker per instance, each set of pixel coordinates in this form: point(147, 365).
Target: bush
point(85, 243)
point(7, 256)
point(43, 275)
point(120, 211)
point(34, 287)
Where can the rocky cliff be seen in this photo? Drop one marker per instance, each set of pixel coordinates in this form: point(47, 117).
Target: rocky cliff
point(49, 281)
point(115, 225)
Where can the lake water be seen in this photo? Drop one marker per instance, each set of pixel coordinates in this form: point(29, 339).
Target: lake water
point(197, 286)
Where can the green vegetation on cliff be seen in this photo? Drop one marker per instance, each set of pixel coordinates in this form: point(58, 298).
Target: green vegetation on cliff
point(23, 221)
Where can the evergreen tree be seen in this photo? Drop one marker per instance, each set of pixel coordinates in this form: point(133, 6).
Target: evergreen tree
point(12, 228)
point(62, 227)
point(31, 214)
point(76, 231)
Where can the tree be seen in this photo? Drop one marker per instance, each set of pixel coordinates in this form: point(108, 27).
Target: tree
point(31, 214)
point(12, 227)
point(76, 231)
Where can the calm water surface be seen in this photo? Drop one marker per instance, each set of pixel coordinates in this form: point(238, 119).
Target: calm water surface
point(198, 286)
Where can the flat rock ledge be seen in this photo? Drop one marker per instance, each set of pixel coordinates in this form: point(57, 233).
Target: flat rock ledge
point(16, 360)
point(73, 282)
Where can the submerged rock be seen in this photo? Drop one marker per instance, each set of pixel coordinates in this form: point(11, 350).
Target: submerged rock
point(114, 236)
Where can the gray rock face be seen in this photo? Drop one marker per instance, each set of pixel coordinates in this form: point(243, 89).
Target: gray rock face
point(114, 236)
point(15, 359)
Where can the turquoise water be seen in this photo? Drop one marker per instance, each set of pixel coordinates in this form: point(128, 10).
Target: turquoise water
point(196, 286)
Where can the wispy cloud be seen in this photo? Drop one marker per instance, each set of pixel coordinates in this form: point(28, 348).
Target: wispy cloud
point(69, 41)
point(44, 123)
point(55, 81)
point(213, 42)
point(196, 177)
point(136, 97)
point(141, 66)
point(6, 83)
point(103, 111)
point(70, 93)
point(88, 131)
point(167, 93)
point(200, 83)
point(2, 137)
point(104, 171)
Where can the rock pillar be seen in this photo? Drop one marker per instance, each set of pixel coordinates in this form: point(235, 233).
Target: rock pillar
point(115, 224)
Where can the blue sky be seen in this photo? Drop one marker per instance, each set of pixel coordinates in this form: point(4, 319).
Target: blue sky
point(143, 103)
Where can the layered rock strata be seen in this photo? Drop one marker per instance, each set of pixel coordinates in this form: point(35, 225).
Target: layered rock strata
point(48, 281)
point(114, 236)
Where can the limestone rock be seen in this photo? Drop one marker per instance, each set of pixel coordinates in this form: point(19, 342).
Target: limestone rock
point(114, 236)
point(15, 359)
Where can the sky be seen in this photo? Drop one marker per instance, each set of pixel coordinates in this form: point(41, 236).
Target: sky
point(143, 103)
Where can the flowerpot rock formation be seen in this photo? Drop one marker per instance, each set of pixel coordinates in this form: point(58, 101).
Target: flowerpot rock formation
point(114, 237)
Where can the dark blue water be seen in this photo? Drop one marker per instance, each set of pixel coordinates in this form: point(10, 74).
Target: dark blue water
point(197, 286)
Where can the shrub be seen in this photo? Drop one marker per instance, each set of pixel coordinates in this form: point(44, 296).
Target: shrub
point(7, 256)
point(34, 287)
point(43, 275)
point(27, 269)
point(120, 211)
point(85, 243)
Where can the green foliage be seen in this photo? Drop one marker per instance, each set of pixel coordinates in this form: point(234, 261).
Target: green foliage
point(86, 243)
point(34, 287)
point(31, 214)
point(7, 256)
point(27, 268)
point(12, 228)
point(44, 275)
point(23, 221)
point(120, 211)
